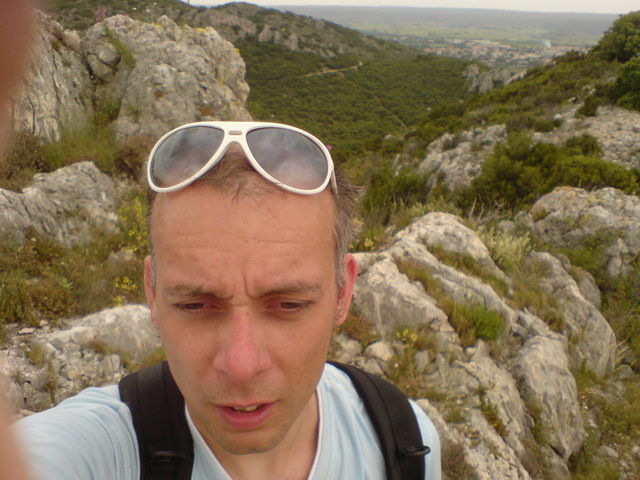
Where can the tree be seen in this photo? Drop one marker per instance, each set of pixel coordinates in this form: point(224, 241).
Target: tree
point(622, 41)
point(627, 88)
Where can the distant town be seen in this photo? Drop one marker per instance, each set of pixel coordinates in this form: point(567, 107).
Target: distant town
point(492, 54)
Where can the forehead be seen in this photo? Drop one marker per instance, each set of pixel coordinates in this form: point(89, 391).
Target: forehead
point(202, 215)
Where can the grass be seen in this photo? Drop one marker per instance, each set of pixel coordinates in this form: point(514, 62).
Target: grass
point(358, 328)
point(507, 249)
point(470, 321)
point(528, 294)
point(42, 279)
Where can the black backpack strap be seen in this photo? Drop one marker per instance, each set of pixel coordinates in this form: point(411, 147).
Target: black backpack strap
point(394, 421)
point(157, 407)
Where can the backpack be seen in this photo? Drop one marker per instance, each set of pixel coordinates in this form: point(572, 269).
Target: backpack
point(166, 447)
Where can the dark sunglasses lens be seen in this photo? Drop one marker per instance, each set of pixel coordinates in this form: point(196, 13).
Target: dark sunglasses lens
point(290, 157)
point(182, 154)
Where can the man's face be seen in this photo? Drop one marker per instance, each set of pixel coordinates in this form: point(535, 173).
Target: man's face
point(245, 298)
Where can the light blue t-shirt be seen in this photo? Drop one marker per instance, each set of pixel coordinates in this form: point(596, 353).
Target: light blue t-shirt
point(90, 437)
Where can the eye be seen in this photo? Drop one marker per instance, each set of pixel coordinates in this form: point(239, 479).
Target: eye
point(190, 307)
point(291, 306)
point(288, 306)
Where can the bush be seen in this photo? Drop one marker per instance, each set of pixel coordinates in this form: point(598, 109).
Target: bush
point(626, 91)
point(519, 171)
point(584, 144)
point(388, 192)
point(622, 41)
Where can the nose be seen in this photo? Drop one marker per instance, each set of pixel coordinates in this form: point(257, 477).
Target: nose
point(242, 354)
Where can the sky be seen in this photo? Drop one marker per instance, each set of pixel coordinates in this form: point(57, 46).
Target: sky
point(588, 6)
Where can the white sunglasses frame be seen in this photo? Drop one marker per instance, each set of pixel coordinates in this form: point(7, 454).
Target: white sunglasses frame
point(236, 132)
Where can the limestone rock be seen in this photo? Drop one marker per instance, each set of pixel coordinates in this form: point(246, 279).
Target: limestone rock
point(567, 217)
point(57, 91)
point(446, 232)
point(380, 350)
point(65, 206)
point(47, 367)
point(542, 369)
point(456, 159)
point(593, 341)
point(163, 75)
point(615, 128)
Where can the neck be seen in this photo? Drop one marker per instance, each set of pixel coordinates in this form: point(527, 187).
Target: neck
point(291, 459)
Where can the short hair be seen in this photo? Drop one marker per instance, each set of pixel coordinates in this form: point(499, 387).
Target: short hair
point(234, 175)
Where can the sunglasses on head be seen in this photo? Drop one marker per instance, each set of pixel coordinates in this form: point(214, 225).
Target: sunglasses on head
point(287, 156)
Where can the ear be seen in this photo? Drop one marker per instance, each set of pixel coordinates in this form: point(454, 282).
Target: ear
point(149, 288)
point(346, 292)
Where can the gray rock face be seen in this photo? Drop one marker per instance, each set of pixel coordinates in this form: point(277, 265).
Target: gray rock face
point(58, 91)
point(46, 366)
point(456, 160)
point(152, 77)
point(498, 404)
point(592, 341)
point(568, 217)
point(616, 129)
point(163, 75)
point(65, 206)
point(541, 368)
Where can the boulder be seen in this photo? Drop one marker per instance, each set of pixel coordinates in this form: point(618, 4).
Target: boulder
point(456, 159)
point(605, 219)
point(66, 206)
point(162, 75)
point(541, 368)
point(592, 342)
point(47, 366)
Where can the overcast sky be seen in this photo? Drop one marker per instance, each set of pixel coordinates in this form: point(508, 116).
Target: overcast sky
point(593, 6)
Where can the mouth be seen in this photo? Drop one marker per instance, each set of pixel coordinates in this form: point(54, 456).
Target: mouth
point(251, 408)
point(246, 417)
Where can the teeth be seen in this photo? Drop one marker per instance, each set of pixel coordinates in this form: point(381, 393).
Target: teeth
point(246, 409)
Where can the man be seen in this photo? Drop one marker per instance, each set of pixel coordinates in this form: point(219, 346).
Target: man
point(248, 278)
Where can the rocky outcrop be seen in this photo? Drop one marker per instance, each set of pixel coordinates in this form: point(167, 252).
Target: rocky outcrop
point(132, 72)
point(616, 129)
point(46, 365)
point(484, 80)
point(58, 92)
point(498, 406)
point(604, 220)
point(456, 159)
point(66, 206)
point(146, 69)
point(244, 21)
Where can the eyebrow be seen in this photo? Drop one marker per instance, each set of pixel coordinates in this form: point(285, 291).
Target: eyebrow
point(294, 288)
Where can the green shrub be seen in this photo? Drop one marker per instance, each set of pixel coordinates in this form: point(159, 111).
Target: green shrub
point(622, 41)
point(387, 193)
point(584, 144)
point(589, 107)
point(84, 143)
point(626, 91)
point(519, 171)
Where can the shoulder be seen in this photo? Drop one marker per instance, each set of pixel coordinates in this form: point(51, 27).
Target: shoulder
point(89, 435)
point(345, 405)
